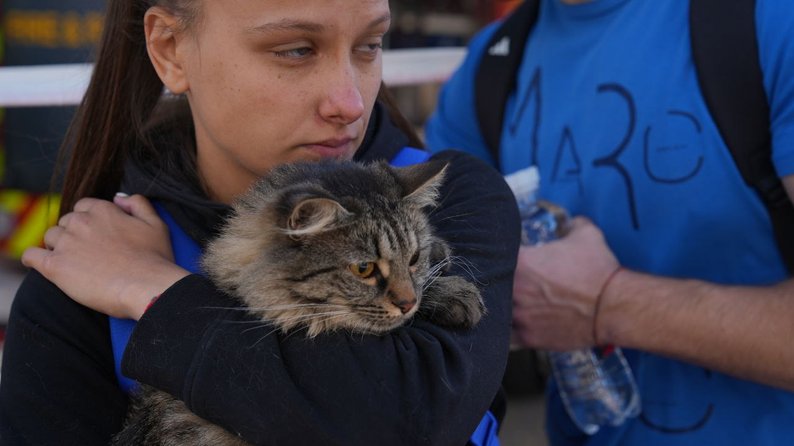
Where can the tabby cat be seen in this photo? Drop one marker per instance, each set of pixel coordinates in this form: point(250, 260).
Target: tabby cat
point(321, 247)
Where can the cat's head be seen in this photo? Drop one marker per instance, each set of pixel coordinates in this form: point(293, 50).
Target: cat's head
point(333, 245)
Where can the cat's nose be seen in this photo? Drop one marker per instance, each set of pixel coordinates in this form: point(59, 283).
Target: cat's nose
point(405, 305)
point(402, 296)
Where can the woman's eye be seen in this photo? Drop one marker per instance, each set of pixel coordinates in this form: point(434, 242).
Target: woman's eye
point(294, 53)
point(371, 48)
point(362, 269)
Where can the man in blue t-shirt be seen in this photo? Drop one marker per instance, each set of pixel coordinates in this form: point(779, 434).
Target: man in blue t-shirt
point(674, 257)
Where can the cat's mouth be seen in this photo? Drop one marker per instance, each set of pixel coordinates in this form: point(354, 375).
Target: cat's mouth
point(393, 315)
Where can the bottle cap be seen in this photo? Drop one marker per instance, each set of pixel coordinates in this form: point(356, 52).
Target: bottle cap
point(524, 182)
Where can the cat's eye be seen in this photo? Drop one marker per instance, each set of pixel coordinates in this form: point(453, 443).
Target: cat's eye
point(414, 258)
point(362, 269)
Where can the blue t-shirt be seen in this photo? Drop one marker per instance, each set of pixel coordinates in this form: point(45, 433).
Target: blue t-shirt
point(609, 109)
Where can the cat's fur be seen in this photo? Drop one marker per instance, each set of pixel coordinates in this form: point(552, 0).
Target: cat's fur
point(291, 252)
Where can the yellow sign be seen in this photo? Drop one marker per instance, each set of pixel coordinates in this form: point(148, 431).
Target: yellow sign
point(53, 29)
point(24, 217)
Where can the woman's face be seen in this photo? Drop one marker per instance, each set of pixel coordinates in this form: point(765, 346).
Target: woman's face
point(277, 81)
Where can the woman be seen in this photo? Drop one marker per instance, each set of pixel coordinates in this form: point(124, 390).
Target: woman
point(263, 83)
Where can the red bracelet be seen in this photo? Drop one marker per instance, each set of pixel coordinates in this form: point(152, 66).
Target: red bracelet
point(151, 302)
point(598, 302)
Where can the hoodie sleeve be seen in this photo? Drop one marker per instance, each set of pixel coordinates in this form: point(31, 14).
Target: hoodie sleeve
point(420, 384)
point(58, 383)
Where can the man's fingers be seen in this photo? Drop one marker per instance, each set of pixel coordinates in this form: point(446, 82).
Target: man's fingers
point(579, 221)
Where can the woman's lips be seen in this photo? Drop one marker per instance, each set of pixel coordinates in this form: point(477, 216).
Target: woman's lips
point(333, 148)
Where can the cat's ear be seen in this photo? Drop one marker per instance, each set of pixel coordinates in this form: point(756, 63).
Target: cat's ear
point(313, 215)
point(421, 182)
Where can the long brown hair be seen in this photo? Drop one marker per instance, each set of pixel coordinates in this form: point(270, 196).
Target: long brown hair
point(121, 98)
point(123, 91)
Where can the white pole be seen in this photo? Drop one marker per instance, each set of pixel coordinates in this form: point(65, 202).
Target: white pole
point(60, 85)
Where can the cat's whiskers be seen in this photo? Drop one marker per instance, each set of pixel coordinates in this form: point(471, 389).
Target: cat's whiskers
point(266, 335)
point(451, 217)
point(434, 306)
point(304, 327)
point(291, 321)
point(262, 325)
point(322, 324)
point(285, 320)
point(467, 266)
point(286, 307)
point(277, 307)
point(225, 308)
point(436, 270)
point(432, 275)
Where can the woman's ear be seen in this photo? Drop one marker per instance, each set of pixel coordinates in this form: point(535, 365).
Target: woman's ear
point(163, 42)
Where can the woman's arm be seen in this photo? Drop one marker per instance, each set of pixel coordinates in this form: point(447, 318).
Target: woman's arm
point(58, 384)
point(419, 385)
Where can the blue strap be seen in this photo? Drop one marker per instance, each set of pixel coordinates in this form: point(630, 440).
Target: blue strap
point(120, 331)
point(487, 432)
point(186, 254)
point(408, 156)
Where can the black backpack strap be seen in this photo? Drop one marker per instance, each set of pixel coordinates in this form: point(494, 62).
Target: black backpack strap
point(725, 52)
point(498, 69)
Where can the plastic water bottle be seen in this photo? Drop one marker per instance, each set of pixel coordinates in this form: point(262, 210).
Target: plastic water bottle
point(596, 385)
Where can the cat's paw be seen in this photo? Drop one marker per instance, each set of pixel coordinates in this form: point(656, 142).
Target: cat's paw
point(453, 302)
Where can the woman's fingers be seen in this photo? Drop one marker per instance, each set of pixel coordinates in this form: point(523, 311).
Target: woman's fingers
point(34, 257)
point(52, 236)
point(87, 204)
point(138, 206)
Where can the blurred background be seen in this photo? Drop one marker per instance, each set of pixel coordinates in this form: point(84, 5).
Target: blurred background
point(52, 32)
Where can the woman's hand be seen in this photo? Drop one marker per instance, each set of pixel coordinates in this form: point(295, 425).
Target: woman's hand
point(557, 287)
point(113, 258)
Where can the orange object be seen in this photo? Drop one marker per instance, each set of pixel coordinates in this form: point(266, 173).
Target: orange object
point(24, 217)
point(503, 7)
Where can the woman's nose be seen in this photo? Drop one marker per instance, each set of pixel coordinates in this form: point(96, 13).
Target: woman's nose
point(342, 102)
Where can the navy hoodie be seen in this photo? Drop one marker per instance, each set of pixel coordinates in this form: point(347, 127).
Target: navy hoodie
point(419, 385)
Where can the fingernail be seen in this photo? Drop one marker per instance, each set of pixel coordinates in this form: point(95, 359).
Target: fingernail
point(122, 195)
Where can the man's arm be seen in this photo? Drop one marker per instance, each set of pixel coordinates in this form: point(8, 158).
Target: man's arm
point(742, 331)
point(738, 330)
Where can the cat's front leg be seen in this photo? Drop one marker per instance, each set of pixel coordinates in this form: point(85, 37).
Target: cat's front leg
point(452, 301)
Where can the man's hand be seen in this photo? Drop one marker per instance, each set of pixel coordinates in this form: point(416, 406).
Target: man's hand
point(557, 286)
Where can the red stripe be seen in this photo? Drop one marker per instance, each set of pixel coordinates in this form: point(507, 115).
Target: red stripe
point(30, 204)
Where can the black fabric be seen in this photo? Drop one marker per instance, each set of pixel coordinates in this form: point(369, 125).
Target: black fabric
point(725, 51)
point(383, 140)
point(420, 384)
point(58, 383)
point(497, 72)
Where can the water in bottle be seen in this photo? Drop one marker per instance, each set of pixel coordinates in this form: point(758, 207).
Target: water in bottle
point(596, 385)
